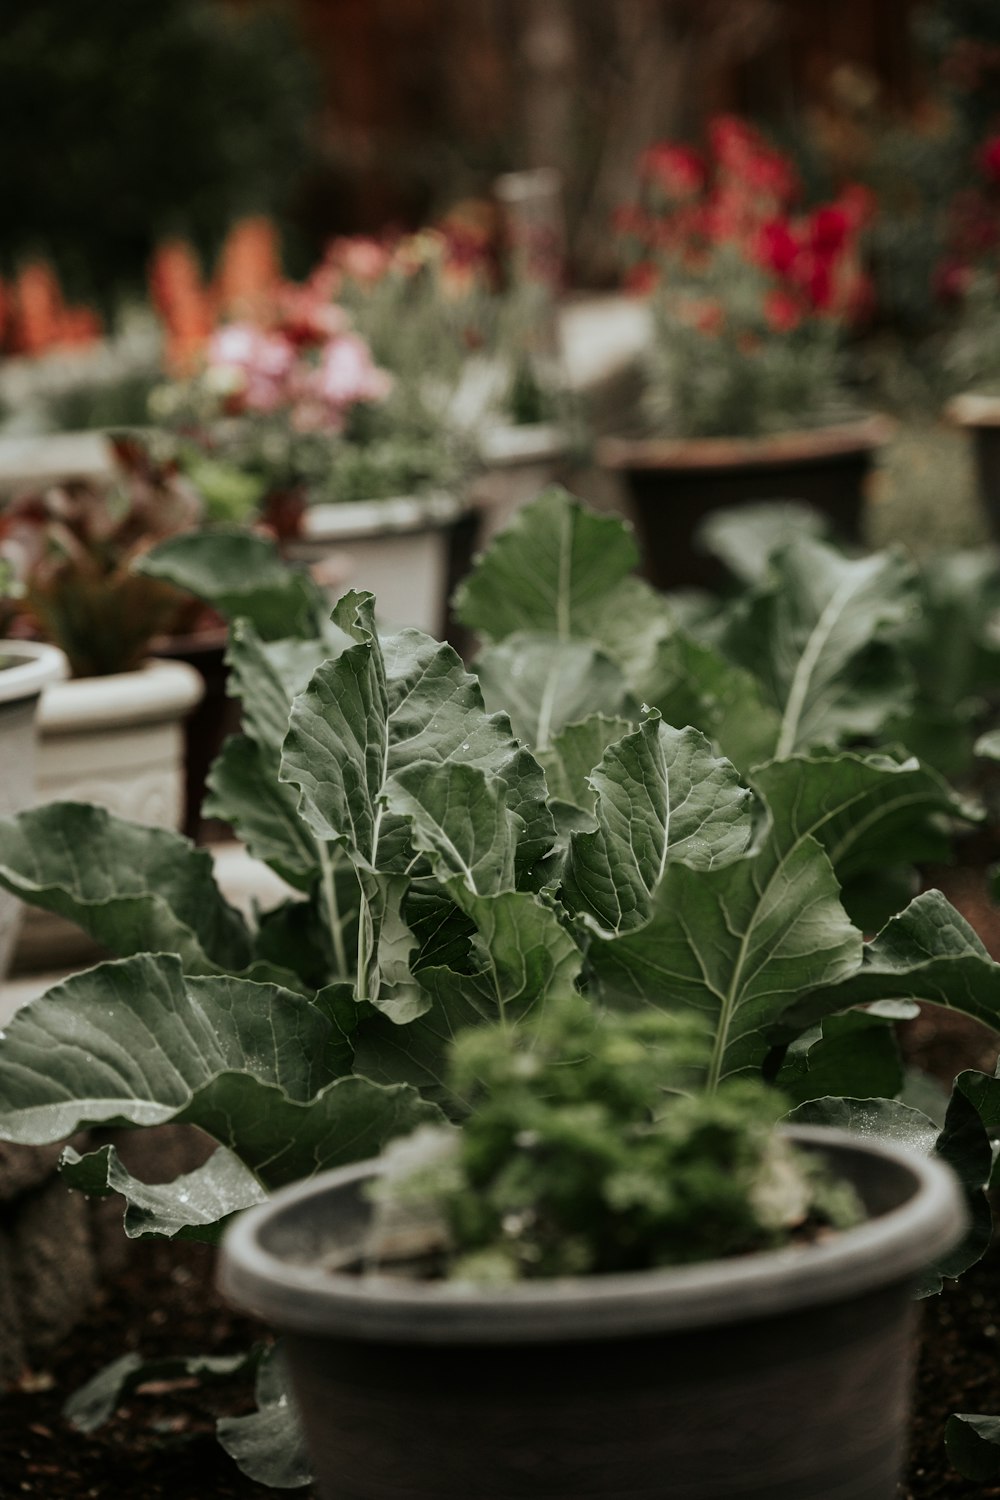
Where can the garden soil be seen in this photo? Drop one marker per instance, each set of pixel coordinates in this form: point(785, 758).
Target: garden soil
point(161, 1444)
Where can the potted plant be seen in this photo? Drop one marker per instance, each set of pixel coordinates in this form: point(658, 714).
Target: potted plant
point(450, 870)
point(113, 733)
point(25, 670)
point(289, 419)
point(596, 1270)
point(967, 280)
point(751, 303)
point(471, 325)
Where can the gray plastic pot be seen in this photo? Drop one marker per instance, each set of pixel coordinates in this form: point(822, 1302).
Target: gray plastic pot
point(780, 1376)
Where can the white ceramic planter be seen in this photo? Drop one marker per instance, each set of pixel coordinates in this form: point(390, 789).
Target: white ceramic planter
point(518, 463)
point(400, 549)
point(117, 741)
point(21, 686)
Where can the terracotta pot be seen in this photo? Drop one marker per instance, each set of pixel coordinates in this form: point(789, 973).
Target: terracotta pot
point(673, 484)
point(25, 670)
point(408, 551)
point(980, 416)
point(779, 1376)
point(117, 741)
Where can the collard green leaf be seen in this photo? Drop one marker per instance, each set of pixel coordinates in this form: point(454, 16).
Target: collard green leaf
point(962, 1142)
point(851, 1054)
point(547, 571)
point(868, 811)
point(545, 683)
point(195, 1206)
point(662, 795)
point(134, 1040)
point(973, 1444)
point(243, 576)
point(133, 889)
point(521, 954)
point(574, 752)
point(739, 944)
point(97, 1401)
point(928, 952)
point(268, 675)
point(460, 819)
point(875, 1119)
point(690, 682)
point(244, 790)
point(268, 1445)
point(821, 637)
point(283, 1139)
point(746, 537)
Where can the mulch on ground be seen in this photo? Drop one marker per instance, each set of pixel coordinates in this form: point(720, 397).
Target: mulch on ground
point(161, 1445)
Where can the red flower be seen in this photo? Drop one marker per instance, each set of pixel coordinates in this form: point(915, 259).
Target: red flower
point(777, 246)
point(829, 229)
point(989, 159)
point(678, 170)
point(781, 310)
point(642, 278)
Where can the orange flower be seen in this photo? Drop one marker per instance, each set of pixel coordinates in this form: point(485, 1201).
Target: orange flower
point(249, 268)
point(182, 301)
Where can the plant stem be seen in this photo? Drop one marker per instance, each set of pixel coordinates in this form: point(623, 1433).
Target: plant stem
point(332, 907)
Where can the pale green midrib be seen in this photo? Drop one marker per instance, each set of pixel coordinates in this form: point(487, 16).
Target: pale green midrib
point(729, 1005)
point(563, 596)
point(333, 908)
point(802, 675)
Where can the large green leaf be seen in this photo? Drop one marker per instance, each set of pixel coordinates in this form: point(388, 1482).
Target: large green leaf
point(195, 1206)
point(545, 683)
point(134, 1040)
point(973, 1443)
point(548, 571)
point(379, 709)
point(746, 537)
point(243, 789)
point(851, 1054)
point(131, 888)
point(869, 811)
point(690, 682)
point(821, 636)
point(268, 1445)
point(242, 575)
point(739, 944)
point(520, 956)
point(574, 752)
point(927, 952)
point(97, 1401)
point(662, 795)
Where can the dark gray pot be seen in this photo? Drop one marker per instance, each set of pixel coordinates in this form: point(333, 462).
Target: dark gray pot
point(781, 1376)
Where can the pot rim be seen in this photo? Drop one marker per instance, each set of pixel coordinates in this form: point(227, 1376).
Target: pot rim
point(882, 1251)
point(157, 692)
point(37, 665)
point(353, 519)
point(812, 444)
point(512, 445)
point(973, 409)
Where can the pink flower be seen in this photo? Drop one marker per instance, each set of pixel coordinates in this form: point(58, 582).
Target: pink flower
point(347, 373)
point(258, 363)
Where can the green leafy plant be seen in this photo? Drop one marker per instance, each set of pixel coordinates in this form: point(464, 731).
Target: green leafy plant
point(465, 848)
point(584, 1152)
